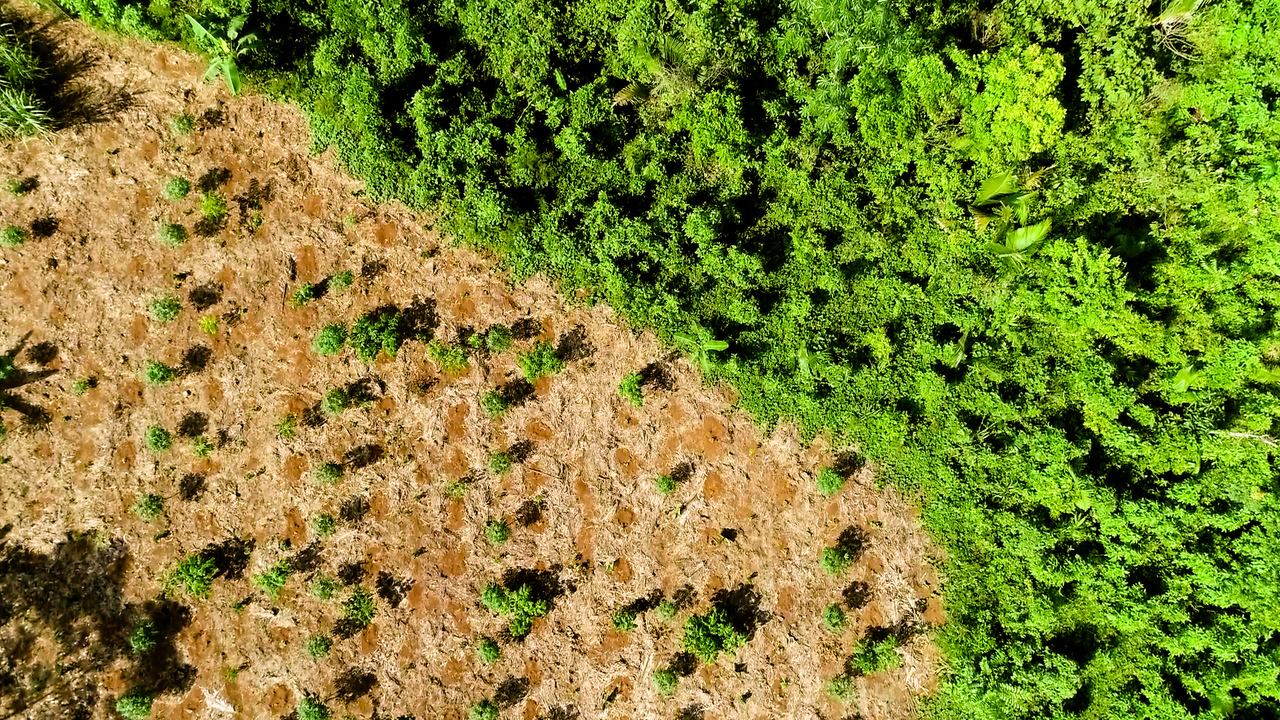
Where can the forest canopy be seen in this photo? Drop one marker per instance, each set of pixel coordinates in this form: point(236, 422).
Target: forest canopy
point(1024, 256)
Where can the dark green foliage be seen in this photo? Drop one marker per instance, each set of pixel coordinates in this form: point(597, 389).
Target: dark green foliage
point(500, 463)
point(829, 482)
point(488, 650)
point(305, 293)
point(518, 605)
point(494, 404)
point(450, 358)
point(329, 473)
point(335, 402)
point(177, 188)
point(498, 338)
point(172, 234)
point(497, 532)
point(483, 710)
point(7, 367)
point(135, 704)
point(226, 44)
point(665, 680)
point(311, 707)
point(144, 637)
point(341, 281)
point(539, 361)
point(324, 526)
point(194, 574)
point(13, 236)
point(833, 619)
point(624, 619)
point(157, 373)
point(374, 332)
point(272, 581)
point(330, 339)
point(874, 655)
point(359, 608)
point(836, 559)
point(318, 646)
point(629, 388)
point(710, 634)
point(148, 506)
point(157, 439)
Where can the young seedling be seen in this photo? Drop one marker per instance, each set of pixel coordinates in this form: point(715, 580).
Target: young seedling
point(183, 124)
point(488, 650)
point(494, 404)
point(666, 611)
point(324, 587)
point(372, 333)
point(539, 361)
point(706, 636)
point(500, 463)
point(335, 402)
point(842, 688)
point(157, 373)
point(497, 532)
point(310, 707)
point(209, 324)
point(664, 484)
point(177, 188)
point(701, 344)
point(451, 359)
point(135, 704)
point(518, 605)
point(836, 559)
point(872, 656)
point(666, 681)
point(833, 619)
point(22, 185)
point(273, 581)
point(158, 439)
point(143, 638)
point(457, 489)
point(629, 388)
point(194, 574)
point(329, 473)
point(287, 428)
point(483, 710)
point(341, 281)
point(498, 339)
point(201, 446)
point(324, 526)
point(829, 482)
point(13, 236)
point(172, 235)
point(148, 507)
point(624, 619)
point(330, 340)
point(305, 293)
point(84, 385)
point(319, 646)
point(213, 207)
point(359, 608)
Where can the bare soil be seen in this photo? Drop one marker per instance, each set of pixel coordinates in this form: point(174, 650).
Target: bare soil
point(77, 566)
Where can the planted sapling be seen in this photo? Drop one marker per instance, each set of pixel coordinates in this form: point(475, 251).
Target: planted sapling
point(194, 574)
point(172, 235)
point(488, 650)
point(330, 340)
point(539, 361)
point(451, 359)
point(329, 473)
point(157, 373)
point(319, 646)
point(335, 402)
point(157, 439)
point(13, 236)
point(498, 338)
point(148, 507)
point(629, 388)
point(500, 463)
point(177, 188)
point(497, 532)
point(341, 281)
point(305, 293)
point(829, 481)
point(135, 704)
point(494, 404)
point(665, 680)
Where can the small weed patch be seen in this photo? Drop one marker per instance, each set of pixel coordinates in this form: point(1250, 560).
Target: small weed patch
point(539, 361)
point(182, 124)
point(842, 688)
point(157, 439)
point(330, 340)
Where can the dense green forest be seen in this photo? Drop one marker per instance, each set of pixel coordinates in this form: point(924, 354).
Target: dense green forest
point(1025, 256)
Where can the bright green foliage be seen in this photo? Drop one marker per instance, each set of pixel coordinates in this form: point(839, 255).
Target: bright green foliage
point(629, 388)
point(829, 482)
point(450, 358)
point(377, 331)
point(144, 637)
point(666, 611)
point(201, 446)
point(305, 293)
point(157, 373)
point(287, 428)
point(457, 489)
point(79, 387)
point(272, 581)
point(23, 111)
point(183, 124)
point(22, 185)
point(666, 681)
point(835, 560)
point(164, 309)
point(497, 532)
point(710, 634)
point(498, 339)
point(148, 507)
point(539, 361)
point(318, 646)
point(194, 574)
point(157, 439)
point(872, 656)
point(172, 235)
point(135, 704)
point(335, 402)
point(213, 207)
point(13, 236)
point(324, 526)
point(483, 710)
point(330, 339)
point(324, 587)
point(842, 688)
point(664, 484)
point(488, 650)
point(177, 188)
point(517, 605)
point(833, 619)
point(359, 608)
point(341, 281)
point(494, 404)
point(225, 45)
point(624, 620)
point(329, 473)
point(209, 324)
point(500, 463)
point(311, 707)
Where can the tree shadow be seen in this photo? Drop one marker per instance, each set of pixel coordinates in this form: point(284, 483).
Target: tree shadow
point(543, 584)
point(353, 509)
point(575, 345)
point(230, 557)
point(203, 297)
point(391, 588)
point(516, 392)
point(657, 374)
point(742, 607)
point(526, 329)
point(857, 594)
point(42, 353)
point(351, 573)
point(354, 684)
point(511, 691)
point(421, 318)
point(191, 487)
point(213, 179)
point(44, 227)
point(196, 358)
point(529, 512)
point(193, 424)
point(362, 456)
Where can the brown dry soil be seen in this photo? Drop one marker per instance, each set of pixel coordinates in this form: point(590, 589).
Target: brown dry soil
point(79, 567)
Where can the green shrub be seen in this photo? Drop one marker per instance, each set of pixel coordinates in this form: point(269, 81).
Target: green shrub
point(498, 339)
point(324, 526)
point(287, 428)
point(82, 385)
point(539, 361)
point(872, 656)
point(303, 294)
point(450, 358)
point(318, 646)
point(666, 681)
point(177, 188)
point(341, 281)
point(497, 532)
point(311, 708)
point(829, 482)
point(7, 366)
point(273, 581)
point(329, 473)
point(494, 404)
point(335, 402)
point(833, 619)
point(664, 484)
point(183, 124)
point(194, 574)
point(483, 710)
point(144, 637)
point(13, 236)
point(22, 185)
point(148, 506)
point(517, 605)
point(201, 446)
point(629, 388)
point(208, 324)
point(376, 332)
point(359, 608)
point(213, 207)
point(324, 587)
point(706, 636)
point(135, 704)
point(842, 688)
point(624, 620)
point(500, 463)
point(457, 489)
point(488, 650)
point(666, 611)
point(494, 597)
point(330, 339)
point(158, 439)
point(157, 373)
point(172, 235)
point(835, 560)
